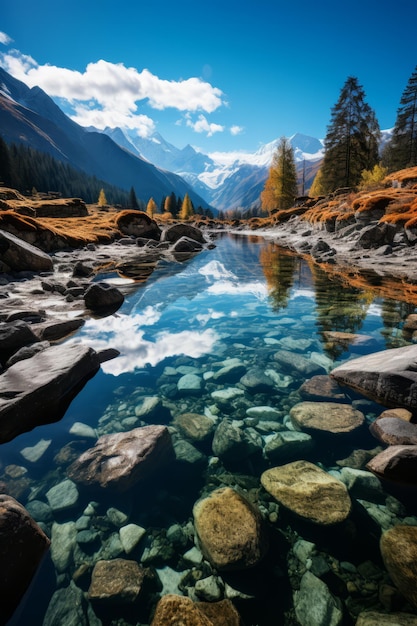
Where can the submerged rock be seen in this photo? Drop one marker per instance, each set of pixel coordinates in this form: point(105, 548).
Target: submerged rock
point(396, 463)
point(388, 377)
point(116, 582)
point(121, 460)
point(399, 552)
point(315, 605)
point(326, 417)
point(22, 546)
point(232, 443)
point(230, 530)
point(394, 431)
point(322, 388)
point(308, 491)
point(375, 618)
point(194, 426)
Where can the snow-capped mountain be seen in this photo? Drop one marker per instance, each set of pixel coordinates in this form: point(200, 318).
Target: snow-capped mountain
point(226, 180)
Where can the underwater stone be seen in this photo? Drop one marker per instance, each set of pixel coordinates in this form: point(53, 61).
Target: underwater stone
point(63, 496)
point(315, 605)
point(399, 552)
point(308, 491)
point(39, 510)
point(209, 589)
point(264, 413)
point(116, 582)
point(67, 606)
point(295, 362)
point(130, 535)
point(195, 426)
point(190, 384)
point(287, 444)
point(116, 517)
point(63, 542)
point(256, 381)
point(226, 396)
point(230, 530)
point(375, 618)
point(326, 417)
point(83, 430)
point(232, 443)
point(34, 453)
point(230, 373)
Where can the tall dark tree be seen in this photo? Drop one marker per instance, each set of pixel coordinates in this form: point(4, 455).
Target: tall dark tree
point(5, 166)
point(133, 201)
point(351, 143)
point(401, 151)
point(281, 185)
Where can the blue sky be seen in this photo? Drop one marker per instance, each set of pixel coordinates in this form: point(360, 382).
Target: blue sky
point(225, 75)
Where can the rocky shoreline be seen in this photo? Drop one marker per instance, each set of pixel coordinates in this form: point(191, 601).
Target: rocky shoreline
point(47, 305)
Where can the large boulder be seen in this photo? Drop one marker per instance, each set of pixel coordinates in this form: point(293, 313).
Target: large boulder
point(19, 255)
point(22, 546)
point(139, 224)
point(309, 492)
point(399, 552)
point(14, 336)
point(177, 231)
point(173, 609)
point(388, 377)
point(394, 431)
point(396, 463)
point(326, 417)
point(230, 530)
point(101, 297)
point(38, 390)
point(121, 460)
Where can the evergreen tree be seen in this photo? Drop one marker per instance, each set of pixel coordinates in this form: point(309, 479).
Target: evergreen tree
point(170, 204)
point(151, 207)
point(281, 186)
point(102, 200)
point(187, 209)
point(5, 165)
point(133, 201)
point(351, 143)
point(401, 151)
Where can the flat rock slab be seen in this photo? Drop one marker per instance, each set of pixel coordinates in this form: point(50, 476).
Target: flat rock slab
point(326, 417)
point(388, 377)
point(230, 530)
point(396, 463)
point(37, 390)
point(121, 460)
point(394, 431)
point(308, 491)
point(20, 255)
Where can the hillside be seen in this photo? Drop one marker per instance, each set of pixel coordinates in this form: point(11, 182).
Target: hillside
point(30, 117)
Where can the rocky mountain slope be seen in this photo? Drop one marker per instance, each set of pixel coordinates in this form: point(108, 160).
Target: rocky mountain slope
point(30, 116)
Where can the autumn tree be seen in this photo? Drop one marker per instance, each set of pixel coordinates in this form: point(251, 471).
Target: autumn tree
point(151, 207)
point(281, 185)
point(401, 150)
point(351, 143)
point(102, 200)
point(187, 209)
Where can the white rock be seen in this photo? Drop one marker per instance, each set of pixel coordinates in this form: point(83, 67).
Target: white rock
point(130, 535)
point(79, 429)
point(34, 453)
point(63, 496)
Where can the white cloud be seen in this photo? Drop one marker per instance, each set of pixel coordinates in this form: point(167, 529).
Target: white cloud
point(202, 125)
point(5, 39)
point(109, 93)
point(236, 130)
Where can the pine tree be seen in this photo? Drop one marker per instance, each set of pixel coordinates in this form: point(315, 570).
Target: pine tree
point(133, 201)
point(5, 164)
point(351, 143)
point(401, 151)
point(281, 185)
point(151, 207)
point(187, 209)
point(102, 200)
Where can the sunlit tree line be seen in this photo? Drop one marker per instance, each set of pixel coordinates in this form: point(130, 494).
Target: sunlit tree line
point(352, 157)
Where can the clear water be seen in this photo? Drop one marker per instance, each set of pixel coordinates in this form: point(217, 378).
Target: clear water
point(247, 299)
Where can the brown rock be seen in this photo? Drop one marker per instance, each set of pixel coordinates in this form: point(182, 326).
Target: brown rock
point(194, 426)
point(121, 460)
point(22, 546)
point(221, 613)
point(399, 552)
point(396, 463)
point(322, 388)
point(403, 414)
point(309, 492)
point(116, 582)
point(375, 618)
point(326, 417)
point(230, 530)
point(175, 610)
point(394, 431)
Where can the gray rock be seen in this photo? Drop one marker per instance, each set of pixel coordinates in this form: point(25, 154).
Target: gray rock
point(20, 255)
point(36, 452)
point(67, 606)
point(40, 511)
point(230, 373)
point(63, 496)
point(63, 542)
point(361, 484)
point(288, 445)
point(232, 443)
point(13, 336)
point(298, 363)
point(397, 463)
point(177, 231)
point(314, 604)
point(130, 535)
point(394, 431)
point(101, 297)
point(185, 244)
point(186, 453)
point(376, 618)
point(256, 381)
point(34, 391)
point(190, 384)
point(27, 352)
point(388, 377)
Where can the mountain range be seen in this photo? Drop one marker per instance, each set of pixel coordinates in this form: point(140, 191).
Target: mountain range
point(29, 116)
point(152, 166)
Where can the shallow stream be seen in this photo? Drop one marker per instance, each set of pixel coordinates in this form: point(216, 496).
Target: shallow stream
point(236, 306)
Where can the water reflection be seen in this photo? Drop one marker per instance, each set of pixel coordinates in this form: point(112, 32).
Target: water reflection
point(219, 348)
